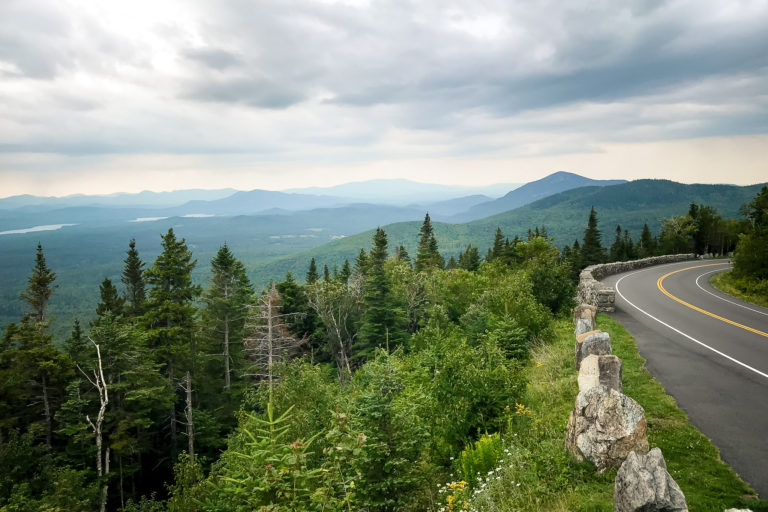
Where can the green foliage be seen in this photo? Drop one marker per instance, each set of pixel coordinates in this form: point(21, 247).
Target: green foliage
point(133, 280)
point(428, 256)
point(479, 457)
point(749, 259)
point(592, 251)
point(111, 302)
point(39, 286)
point(312, 274)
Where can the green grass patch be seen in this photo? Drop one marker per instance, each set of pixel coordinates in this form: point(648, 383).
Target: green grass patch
point(536, 473)
point(746, 289)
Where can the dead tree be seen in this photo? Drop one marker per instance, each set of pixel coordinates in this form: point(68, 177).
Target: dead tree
point(337, 304)
point(271, 342)
point(190, 423)
point(102, 455)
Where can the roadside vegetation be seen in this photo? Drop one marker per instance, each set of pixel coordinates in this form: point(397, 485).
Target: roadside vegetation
point(428, 381)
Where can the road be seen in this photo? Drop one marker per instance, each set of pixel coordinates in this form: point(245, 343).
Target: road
point(710, 352)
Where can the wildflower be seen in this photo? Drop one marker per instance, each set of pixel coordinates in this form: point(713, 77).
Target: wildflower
point(538, 364)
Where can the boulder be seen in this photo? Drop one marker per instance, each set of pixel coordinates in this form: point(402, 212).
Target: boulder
point(604, 427)
point(581, 337)
point(583, 325)
point(644, 485)
point(600, 371)
point(597, 343)
point(584, 311)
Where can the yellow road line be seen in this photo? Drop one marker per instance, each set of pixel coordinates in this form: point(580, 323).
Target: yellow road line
point(681, 301)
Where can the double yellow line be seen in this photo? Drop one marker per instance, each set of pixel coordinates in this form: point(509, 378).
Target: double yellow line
point(696, 308)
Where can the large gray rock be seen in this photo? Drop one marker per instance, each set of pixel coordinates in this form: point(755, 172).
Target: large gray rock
point(600, 371)
point(587, 311)
point(644, 485)
point(583, 325)
point(604, 427)
point(592, 342)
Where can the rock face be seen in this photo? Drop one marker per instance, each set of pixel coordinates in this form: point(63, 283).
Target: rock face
point(587, 311)
point(600, 371)
point(603, 297)
point(644, 485)
point(583, 325)
point(598, 343)
point(604, 427)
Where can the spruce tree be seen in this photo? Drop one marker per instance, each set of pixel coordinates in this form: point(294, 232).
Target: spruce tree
point(111, 302)
point(452, 263)
point(229, 292)
point(470, 259)
point(647, 245)
point(498, 246)
point(428, 256)
point(312, 274)
point(383, 323)
point(402, 255)
point(133, 279)
point(170, 314)
point(361, 264)
point(326, 274)
point(39, 288)
point(346, 271)
point(591, 250)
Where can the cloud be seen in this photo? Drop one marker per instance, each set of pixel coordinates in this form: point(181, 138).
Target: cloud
point(366, 81)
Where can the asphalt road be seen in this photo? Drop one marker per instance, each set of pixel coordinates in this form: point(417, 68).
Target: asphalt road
point(716, 370)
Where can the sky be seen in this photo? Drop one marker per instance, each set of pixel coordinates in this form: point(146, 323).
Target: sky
point(105, 96)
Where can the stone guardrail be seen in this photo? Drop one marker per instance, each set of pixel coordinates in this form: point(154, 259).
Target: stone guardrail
point(592, 291)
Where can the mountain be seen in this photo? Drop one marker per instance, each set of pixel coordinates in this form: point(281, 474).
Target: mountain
point(564, 215)
point(448, 208)
point(530, 192)
point(402, 192)
point(145, 199)
point(255, 201)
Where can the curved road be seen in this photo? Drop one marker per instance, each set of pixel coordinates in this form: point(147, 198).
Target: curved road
point(709, 350)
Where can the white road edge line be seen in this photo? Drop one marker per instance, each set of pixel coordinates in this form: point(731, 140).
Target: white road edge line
point(681, 332)
point(723, 298)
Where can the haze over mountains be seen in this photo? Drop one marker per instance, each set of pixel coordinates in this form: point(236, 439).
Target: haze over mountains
point(272, 232)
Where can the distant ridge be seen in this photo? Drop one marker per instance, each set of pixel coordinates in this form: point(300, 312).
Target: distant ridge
point(533, 191)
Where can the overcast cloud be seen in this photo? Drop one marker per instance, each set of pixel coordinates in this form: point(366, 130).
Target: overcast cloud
point(89, 85)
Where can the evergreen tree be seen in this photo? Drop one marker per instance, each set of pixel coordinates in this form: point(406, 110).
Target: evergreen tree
point(170, 315)
point(111, 302)
point(749, 258)
point(428, 256)
point(133, 279)
point(326, 274)
point(592, 251)
point(647, 245)
point(452, 263)
point(39, 288)
point(470, 259)
point(402, 255)
point(383, 323)
point(617, 248)
point(303, 323)
point(361, 264)
point(346, 271)
point(76, 344)
point(497, 249)
point(312, 274)
point(228, 294)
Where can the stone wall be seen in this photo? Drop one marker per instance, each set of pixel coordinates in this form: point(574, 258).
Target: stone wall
point(592, 291)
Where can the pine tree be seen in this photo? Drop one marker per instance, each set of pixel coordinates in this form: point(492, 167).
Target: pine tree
point(39, 288)
point(647, 245)
point(326, 274)
point(470, 259)
point(346, 271)
point(111, 302)
point(312, 274)
point(617, 248)
point(402, 255)
point(452, 263)
point(498, 246)
point(428, 256)
point(133, 279)
point(591, 250)
point(361, 264)
point(170, 314)
point(384, 321)
point(303, 320)
point(228, 293)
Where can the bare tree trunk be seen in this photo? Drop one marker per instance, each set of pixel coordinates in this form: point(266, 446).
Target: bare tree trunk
point(190, 421)
point(102, 456)
point(227, 382)
point(46, 413)
point(172, 413)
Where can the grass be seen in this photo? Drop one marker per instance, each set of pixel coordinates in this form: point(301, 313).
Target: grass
point(749, 290)
point(536, 473)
